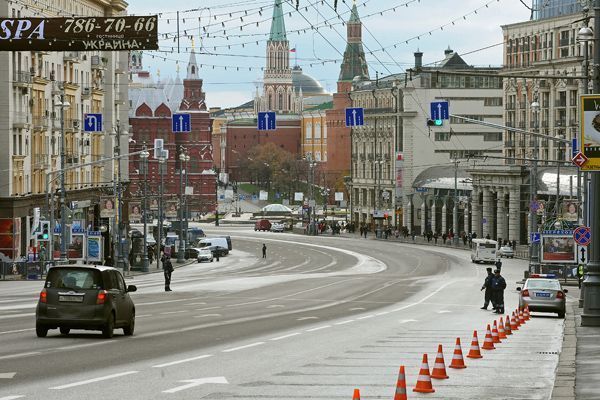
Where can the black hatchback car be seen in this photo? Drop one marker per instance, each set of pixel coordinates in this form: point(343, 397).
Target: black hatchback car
point(85, 297)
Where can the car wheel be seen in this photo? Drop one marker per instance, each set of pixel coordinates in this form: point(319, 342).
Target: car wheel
point(128, 330)
point(109, 328)
point(65, 331)
point(212, 259)
point(561, 314)
point(41, 330)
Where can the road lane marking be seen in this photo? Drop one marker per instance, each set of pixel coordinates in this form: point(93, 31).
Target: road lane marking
point(430, 295)
point(344, 322)
point(358, 309)
point(201, 303)
point(31, 353)
point(17, 331)
point(182, 361)
point(173, 312)
point(143, 315)
point(404, 321)
point(306, 318)
point(243, 347)
point(366, 317)
point(197, 382)
point(382, 313)
point(318, 329)
point(7, 375)
point(286, 336)
point(207, 308)
point(207, 315)
point(93, 380)
point(17, 315)
point(276, 306)
point(444, 311)
point(11, 397)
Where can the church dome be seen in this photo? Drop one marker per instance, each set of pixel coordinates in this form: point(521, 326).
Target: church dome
point(309, 86)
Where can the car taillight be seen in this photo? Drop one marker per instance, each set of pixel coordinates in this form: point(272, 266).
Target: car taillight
point(560, 295)
point(43, 296)
point(101, 298)
point(525, 293)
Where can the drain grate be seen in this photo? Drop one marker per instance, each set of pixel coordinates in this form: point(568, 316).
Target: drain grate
point(547, 352)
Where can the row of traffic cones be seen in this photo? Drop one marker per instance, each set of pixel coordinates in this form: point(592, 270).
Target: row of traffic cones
point(500, 331)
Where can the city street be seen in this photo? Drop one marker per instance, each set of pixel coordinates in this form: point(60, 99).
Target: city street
point(317, 318)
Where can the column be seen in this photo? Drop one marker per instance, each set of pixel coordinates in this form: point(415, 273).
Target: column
point(433, 212)
point(486, 212)
point(514, 211)
point(466, 218)
point(423, 213)
point(444, 216)
point(407, 216)
point(500, 215)
point(475, 212)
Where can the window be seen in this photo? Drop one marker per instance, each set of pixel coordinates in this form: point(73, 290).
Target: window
point(309, 130)
point(492, 137)
point(442, 136)
point(317, 131)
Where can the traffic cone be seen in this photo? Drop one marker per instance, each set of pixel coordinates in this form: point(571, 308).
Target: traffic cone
point(474, 352)
point(424, 380)
point(457, 358)
point(507, 328)
point(488, 343)
point(526, 313)
point(501, 333)
point(495, 337)
point(356, 395)
point(514, 326)
point(439, 368)
point(521, 318)
point(516, 313)
point(401, 385)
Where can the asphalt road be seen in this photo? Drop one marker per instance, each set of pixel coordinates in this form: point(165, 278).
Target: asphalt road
point(315, 319)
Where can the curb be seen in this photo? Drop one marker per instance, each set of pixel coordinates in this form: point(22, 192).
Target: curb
point(566, 371)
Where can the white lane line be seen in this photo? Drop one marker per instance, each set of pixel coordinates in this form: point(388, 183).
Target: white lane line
point(17, 315)
point(173, 312)
point(99, 379)
point(11, 397)
point(7, 375)
point(319, 328)
point(182, 361)
point(382, 313)
point(200, 303)
point(404, 321)
point(276, 306)
point(8, 357)
point(207, 315)
point(306, 318)
point(366, 317)
point(285, 336)
point(151, 303)
point(430, 295)
point(17, 331)
point(243, 347)
point(358, 309)
point(143, 315)
point(444, 311)
point(207, 308)
point(344, 322)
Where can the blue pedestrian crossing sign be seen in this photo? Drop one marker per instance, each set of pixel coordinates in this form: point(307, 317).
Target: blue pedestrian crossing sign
point(266, 121)
point(440, 110)
point(92, 123)
point(181, 123)
point(535, 237)
point(355, 116)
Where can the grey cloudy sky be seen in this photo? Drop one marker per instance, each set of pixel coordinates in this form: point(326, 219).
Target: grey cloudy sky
point(428, 25)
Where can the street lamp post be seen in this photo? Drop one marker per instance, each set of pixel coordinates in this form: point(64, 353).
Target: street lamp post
point(183, 158)
point(455, 208)
point(63, 193)
point(161, 166)
point(144, 170)
point(534, 263)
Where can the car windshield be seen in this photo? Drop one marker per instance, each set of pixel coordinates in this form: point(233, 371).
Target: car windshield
point(543, 284)
point(74, 278)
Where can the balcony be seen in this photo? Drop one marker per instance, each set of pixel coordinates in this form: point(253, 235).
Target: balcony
point(21, 79)
point(71, 124)
point(86, 93)
point(98, 63)
point(40, 123)
point(71, 56)
point(71, 157)
point(40, 161)
point(21, 120)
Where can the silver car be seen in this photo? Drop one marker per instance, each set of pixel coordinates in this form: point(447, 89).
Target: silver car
point(543, 292)
point(205, 254)
point(506, 251)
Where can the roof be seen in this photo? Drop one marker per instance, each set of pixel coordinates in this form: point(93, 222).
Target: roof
point(354, 14)
point(442, 177)
point(306, 83)
point(154, 94)
point(276, 208)
point(323, 106)
point(278, 23)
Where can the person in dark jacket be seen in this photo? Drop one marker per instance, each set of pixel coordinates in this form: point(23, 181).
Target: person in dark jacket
point(498, 285)
point(167, 271)
point(264, 251)
point(488, 289)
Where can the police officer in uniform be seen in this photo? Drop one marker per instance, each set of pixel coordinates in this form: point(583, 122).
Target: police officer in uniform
point(488, 289)
point(167, 271)
point(498, 284)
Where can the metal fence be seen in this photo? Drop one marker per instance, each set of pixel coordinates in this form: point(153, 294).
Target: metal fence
point(19, 270)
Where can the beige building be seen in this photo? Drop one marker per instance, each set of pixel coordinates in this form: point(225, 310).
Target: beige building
point(30, 117)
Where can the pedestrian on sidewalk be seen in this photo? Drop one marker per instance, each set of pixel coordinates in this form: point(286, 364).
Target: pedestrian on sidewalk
point(488, 290)
point(264, 251)
point(498, 284)
point(167, 271)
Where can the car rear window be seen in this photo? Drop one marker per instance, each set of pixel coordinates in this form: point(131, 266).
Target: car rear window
point(543, 284)
point(74, 278)
point(489, 246)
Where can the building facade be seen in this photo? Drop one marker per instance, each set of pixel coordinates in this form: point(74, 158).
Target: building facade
point(35, 121)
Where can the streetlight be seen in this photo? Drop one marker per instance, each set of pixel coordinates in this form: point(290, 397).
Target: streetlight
point(377, 195)
point(534, 263)
point(180, 253)
point(161, 166)
point(311, 167)
point(144, 170)
point(63, 193)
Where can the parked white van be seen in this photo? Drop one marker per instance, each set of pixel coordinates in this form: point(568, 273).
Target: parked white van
point(220, 243)
point(484, 250)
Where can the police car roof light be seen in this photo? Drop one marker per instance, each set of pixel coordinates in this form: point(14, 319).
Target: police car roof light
point(547, 276)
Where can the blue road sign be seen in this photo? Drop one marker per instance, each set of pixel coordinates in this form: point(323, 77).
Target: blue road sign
point(440, 110)
point(266, 121)
point(92, 123)
point(181, 123)
point(582, 235)
point(574, 147)
point(355, 116)
point(422, 190)
point(535, 237)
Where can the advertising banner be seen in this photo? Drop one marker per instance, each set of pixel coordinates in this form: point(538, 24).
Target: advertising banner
point(263, 195)
point(569, 210)
point(558, 249)
point(154, 204)
point(298, 196)
point(76, 251)
point(107, 207)
point(339, 196)
point(172, 207)
point(135, 212)
point(94, 246)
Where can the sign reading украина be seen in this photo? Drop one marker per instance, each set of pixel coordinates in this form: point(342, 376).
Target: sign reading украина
point(79, 33)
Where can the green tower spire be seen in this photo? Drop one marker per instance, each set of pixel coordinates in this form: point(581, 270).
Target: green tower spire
point(278, 24)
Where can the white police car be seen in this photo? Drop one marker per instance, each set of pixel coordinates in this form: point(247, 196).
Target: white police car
point(543, 292)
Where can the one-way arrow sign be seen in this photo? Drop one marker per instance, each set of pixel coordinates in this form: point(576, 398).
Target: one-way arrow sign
point(197, 382)
point(580, 159)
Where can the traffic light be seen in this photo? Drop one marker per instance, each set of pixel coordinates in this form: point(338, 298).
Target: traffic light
point(435, 122)
point(45, 230)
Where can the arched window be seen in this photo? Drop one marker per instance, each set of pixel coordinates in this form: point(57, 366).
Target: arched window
point(318, 130)
point(280, 101)
point(193, 69)
point(309, 130)
point(270, 96)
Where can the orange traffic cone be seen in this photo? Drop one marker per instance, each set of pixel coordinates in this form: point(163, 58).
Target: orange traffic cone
point(521, 318)
point(457, 358)
point(488, 343)
point(424, 380)
point(514, 326)
point(356, 395)
point(501, 333)
point(507, 328)
point(526, 313)
point(495, 336)
point(474, 352)
point(439, 368)
point(401, 386)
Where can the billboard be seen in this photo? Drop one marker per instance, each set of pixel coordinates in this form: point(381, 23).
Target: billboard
point(79, 33)
point(107, 207)
point(569, 210)
point(135, 212)
point(559, 249)
point(172, 208)
point(590, 131)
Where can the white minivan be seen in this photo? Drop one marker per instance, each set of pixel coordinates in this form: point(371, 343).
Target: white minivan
point(220, 243)
point(484, 250)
